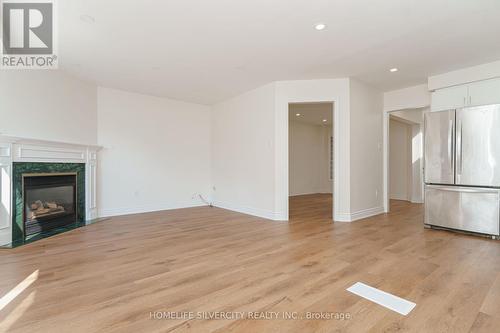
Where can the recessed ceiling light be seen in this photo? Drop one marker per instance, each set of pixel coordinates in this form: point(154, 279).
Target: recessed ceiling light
point(297, 114)
point(324, 120)
point(320, 26)
point(393, 70)
point(87, 18)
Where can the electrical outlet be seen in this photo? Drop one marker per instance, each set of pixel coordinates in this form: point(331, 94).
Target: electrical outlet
point(376, 194)
point(213, 188)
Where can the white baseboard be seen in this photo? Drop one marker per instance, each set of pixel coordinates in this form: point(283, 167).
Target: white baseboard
point(263, 213)
point(361, 214)
point(6, 236)
point(267, 214)
point(277, 216)
point(412, 200)
point(401, 198)
point(417, 200)
point(108, 212)
point(342, 217)
point(318, 191)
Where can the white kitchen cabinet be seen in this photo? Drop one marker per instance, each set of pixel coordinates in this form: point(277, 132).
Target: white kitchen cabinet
point(449, 98)
point(473, 94)
point(484, 92)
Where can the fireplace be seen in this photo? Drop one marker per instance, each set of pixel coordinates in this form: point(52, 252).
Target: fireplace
point(46, 198)
point(49, 201)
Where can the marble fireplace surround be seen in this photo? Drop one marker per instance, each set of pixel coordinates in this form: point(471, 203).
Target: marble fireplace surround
point(19, 150)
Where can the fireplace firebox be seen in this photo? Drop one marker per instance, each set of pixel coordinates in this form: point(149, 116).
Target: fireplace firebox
point(49, 201)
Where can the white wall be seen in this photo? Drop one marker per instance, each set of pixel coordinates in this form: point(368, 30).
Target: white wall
point(414, 118)
point(309, 158)
point(417, 160)
point(366, 150)
point(48, 105)
point(416, 97)
point(400, 160)
point(243, 148)
point(156, 153)
point(407, 98)
point(326, 183)
point(303, 91)
point(250, 166)
point(465, 75)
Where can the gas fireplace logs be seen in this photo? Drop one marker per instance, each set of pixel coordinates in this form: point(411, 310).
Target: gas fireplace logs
point(42, 209)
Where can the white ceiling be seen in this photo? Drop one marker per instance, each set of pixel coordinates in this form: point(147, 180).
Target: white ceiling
point(311, 113)
point(206, 51)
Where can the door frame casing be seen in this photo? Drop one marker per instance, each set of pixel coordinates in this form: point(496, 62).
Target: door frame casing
point(335, 132)
point(386, 158)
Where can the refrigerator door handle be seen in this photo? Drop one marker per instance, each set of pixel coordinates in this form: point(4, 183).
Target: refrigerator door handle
point(450, 144)
point(459, 149)
point(462, 189)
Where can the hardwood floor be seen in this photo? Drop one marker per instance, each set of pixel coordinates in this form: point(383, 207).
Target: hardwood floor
point(116, 275)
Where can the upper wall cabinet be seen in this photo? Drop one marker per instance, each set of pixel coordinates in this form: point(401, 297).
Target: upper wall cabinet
point(449, 98)
point(484, 92)
point(472, 94)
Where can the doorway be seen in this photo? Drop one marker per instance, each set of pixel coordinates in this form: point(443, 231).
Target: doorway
point(311, 160)
point(405, 174)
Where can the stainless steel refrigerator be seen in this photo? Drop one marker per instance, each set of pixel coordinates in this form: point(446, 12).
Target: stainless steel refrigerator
point(462, 169)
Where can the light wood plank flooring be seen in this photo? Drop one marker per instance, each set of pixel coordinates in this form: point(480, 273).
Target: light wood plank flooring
point(110, 276)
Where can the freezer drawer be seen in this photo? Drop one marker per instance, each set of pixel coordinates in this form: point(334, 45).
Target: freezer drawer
point(463, 208)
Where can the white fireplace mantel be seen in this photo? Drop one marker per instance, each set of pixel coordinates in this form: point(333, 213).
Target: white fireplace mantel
point(16, 149)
